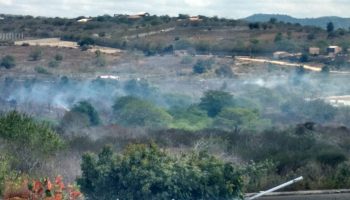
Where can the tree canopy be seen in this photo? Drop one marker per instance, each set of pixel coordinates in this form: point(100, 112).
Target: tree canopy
point(147, 172)
point(214, 101)
point(132, 111)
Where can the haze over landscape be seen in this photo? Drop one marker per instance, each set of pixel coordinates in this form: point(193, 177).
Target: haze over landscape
point(190, 99)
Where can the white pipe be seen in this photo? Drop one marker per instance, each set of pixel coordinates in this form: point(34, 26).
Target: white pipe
point(276, 188)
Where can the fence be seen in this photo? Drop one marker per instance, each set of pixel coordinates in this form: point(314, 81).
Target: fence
point(11, 36)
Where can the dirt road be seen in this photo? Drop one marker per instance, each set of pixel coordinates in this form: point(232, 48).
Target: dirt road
point(276, 62)
point(57, 42)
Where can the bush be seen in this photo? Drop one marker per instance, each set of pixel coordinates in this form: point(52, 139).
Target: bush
point(132, 111)
point(214, 101)
point(36, 54)
point(87, 109)
point(86, 42)
point(54, 63)
point(224, 71)
point(100, 59)
point(28, 142)
point(41, 70)
point(146, 172)
point(187, 60)
point(8, 62)
point(236, 119)
point(304, 58)
point(202, 66)
point(58, 57)
point(331, 158)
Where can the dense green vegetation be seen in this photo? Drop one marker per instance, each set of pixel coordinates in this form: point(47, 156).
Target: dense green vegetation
point(147, 172)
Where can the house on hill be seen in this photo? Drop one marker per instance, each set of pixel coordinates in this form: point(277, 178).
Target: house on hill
point(315, 51)
point(84, 20)
point(195, 19)
point(139, 15)
point(333, 50)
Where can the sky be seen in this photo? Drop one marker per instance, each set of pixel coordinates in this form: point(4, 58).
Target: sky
point(222, 8)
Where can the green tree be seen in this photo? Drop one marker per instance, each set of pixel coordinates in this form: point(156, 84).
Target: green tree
point(214, 101)
point(202, 66)
point(147, 172)
point(28, 142)
point(278, 37)
point(85, 108)
point(236, 119)
point(58, 57)
point(132, 111)
point(330, 27)
point(304, 58)
point(8, 62)
point(191, 118)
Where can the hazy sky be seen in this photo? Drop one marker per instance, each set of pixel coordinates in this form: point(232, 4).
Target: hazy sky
point(221, 8)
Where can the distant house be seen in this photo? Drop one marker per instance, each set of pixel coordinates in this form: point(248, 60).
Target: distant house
point(281, 54)
point(179, 53)
point(2, 18)
point(333, 50)
point(195, 19)
point(84, 20)
point(139, 15)
point(315, 51)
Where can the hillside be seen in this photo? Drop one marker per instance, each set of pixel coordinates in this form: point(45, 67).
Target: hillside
point(163, 34)
point(319, 22)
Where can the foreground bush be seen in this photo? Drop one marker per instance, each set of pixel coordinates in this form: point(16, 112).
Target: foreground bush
point(8, 62)
point(21, 188)
point(146, 172)
point(27, 141)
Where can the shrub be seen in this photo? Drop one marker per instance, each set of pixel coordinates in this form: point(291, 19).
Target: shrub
point(87, 109)
point(100, 59)
point(54, 63)
point(146, 172)
point(304, 58)
point(331, 158)
point(41, 189)
point(132, 111)
point(86, 42)
point(41, 70)
point(202, 66)
point(8, 62)
point(214, 101)
point(187, 60)
point(28, 142)
point(36, 54)
point(224, 71)
point(58, 57)
point(236, 119)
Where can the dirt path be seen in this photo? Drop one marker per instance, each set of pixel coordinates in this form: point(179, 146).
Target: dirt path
point(57, 42)
point(141, 35)
point(282, 63)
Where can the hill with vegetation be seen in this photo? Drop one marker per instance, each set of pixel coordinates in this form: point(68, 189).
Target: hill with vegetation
point(322, 22)
point(161, 34)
